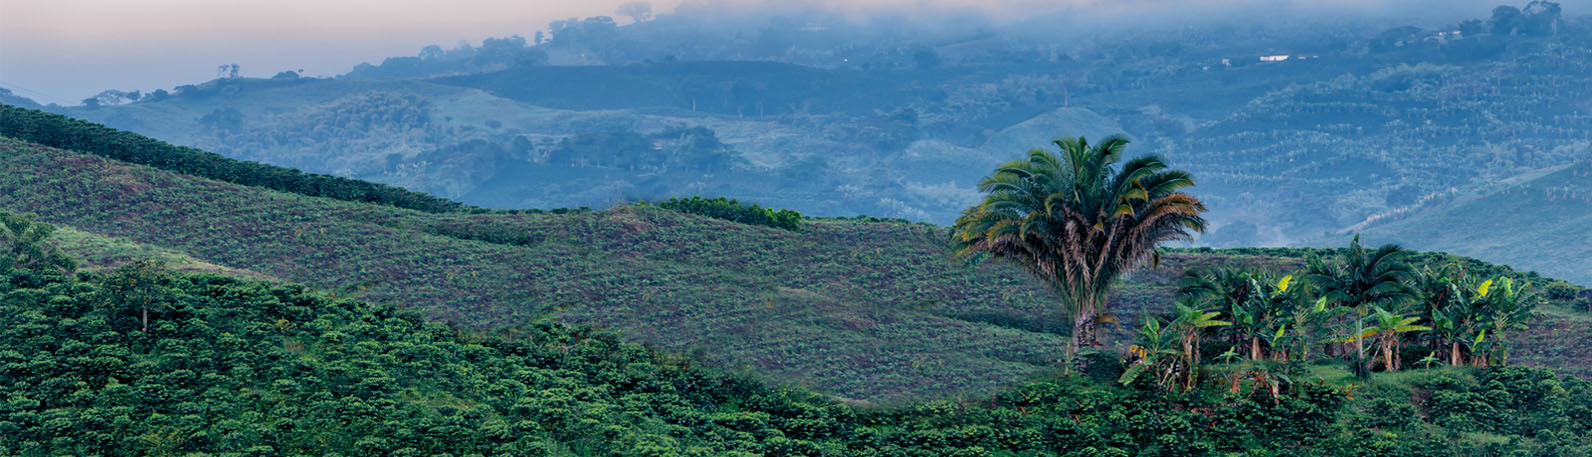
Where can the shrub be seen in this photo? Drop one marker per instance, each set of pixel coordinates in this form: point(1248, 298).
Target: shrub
point(1560, 290)
point(734, 211)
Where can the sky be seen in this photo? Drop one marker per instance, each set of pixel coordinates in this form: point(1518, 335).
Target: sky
point(62, 51)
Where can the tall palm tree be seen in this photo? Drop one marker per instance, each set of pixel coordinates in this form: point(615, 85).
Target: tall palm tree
point(1435, 294)
point(1360, 279)
point(1078, 222)
point(1220, 287)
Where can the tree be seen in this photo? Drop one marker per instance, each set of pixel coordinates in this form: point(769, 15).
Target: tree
point(1156, 353)
point(25, 244)
point(1308, 319)
point(1363, 278)
point(1190, 322)
point(1506, 20)
point(141, 284)
point(1541, 18)
point(1387, 327)
point(1077, 222)
point(1507, 306)
point(1445, 303)
point(636, 11)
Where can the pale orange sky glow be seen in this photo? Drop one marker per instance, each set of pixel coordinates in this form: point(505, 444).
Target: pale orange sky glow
point(65, 50)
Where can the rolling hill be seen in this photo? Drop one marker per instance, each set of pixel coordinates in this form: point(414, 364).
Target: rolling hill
point(861, 309)
point(1356, 124)
point(1513, 222)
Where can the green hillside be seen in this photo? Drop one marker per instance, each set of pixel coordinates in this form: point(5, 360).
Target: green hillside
point(237, 368)
point(865, 310)
point(844, 295)
point(95, 252)
point(1514, 223)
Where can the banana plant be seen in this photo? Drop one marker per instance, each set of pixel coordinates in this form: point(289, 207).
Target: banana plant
point(1428, 361)
point(1156, 353)
point(1308, 319)
point(1190, 322)
point(1361, 278)
point(1268, 375)
point(1387, 327)
point(1259, 318)
point(1508, 306)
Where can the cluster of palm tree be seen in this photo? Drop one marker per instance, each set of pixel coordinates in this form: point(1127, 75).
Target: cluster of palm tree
point(1078, 220)
point(1337, 305)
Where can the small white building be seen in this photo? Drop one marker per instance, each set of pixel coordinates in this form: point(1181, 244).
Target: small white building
point(1277, 58)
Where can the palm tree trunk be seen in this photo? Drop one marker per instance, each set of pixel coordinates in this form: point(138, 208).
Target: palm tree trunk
point(1254, 348)
point(1453, 353)
point(1083, 329)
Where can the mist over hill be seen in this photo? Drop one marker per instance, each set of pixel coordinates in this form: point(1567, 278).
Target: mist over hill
point(1300, 126)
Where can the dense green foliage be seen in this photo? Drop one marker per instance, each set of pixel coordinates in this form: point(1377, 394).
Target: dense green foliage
point(734, 211)
point(66, 133)
point(1362, 306)
point(237, 368)
point(24, 243)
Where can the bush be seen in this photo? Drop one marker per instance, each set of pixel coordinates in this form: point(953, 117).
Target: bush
point(734, 211)
point(1560, 290)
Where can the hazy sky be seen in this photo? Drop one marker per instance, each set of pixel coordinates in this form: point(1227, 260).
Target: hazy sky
point(63, 51)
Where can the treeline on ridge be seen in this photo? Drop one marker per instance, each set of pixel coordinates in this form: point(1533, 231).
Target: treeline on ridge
point(62, 132)
point(734, 211)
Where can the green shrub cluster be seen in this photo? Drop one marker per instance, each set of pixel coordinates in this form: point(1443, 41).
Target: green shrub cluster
point(66, 133)
point(734, 211)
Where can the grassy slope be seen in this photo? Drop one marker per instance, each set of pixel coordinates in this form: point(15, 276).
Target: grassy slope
point(1547, 214)
point(863, 310)
point(98, 252)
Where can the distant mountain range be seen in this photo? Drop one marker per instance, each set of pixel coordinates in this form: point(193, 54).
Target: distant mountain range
point(1296, 134)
